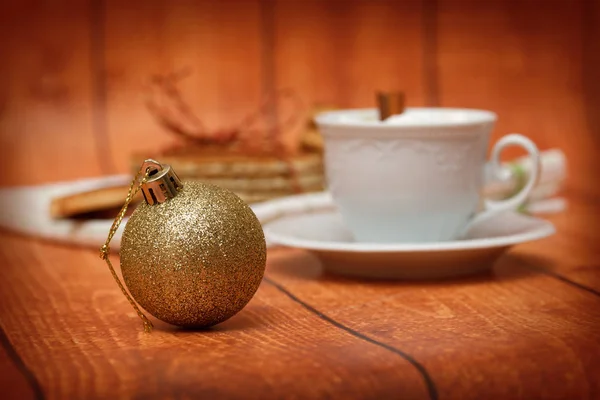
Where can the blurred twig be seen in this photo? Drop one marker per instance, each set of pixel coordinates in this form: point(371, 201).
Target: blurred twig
point(258, 131)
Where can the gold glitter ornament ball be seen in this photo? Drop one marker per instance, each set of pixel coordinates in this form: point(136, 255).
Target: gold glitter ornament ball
point(196, 259)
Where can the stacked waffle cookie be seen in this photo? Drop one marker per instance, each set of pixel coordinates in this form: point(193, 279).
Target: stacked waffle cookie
point(254, 178)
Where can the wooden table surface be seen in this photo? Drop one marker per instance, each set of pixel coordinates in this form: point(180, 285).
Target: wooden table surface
point(529, 329)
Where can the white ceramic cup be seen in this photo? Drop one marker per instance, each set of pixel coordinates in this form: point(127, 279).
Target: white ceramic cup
point(418, 176)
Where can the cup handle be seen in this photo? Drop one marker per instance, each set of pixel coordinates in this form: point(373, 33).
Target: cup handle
point(513, 139)
point(492, 207)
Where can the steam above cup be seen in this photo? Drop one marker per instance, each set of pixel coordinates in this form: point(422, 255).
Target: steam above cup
point(417, 176)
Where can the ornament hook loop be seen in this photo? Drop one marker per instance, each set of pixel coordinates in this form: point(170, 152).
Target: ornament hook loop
point(152, 166)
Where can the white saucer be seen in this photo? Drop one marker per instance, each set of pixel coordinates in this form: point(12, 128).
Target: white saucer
point(311, 222)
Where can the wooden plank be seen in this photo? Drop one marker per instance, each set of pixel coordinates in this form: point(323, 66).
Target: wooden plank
point(518, 332)
point(13, 378)
point(591, 85)
point(578, 235)
point(515, 334)
point(61, 304)
point(335, 53)
point(220, 44)
point(524, 62)
point(46, 92)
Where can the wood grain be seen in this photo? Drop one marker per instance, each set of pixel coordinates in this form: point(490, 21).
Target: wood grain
point(15, 375)
point(76, 78)
point(64, 307)
point(580, 228)
point(505, 335)
point(526, 330)
point(524, 62)
point(45, 92)
point(340, 53)
point(591, 83)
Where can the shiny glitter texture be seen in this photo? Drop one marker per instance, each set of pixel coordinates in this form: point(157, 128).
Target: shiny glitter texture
point(195, 260)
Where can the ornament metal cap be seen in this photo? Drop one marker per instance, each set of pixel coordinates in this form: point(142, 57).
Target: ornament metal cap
point(162, 184)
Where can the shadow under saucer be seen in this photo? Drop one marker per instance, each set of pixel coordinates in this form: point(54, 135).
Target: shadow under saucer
point(301, 265)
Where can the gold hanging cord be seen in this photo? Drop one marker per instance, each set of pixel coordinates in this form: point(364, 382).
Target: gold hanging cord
point(105, 249)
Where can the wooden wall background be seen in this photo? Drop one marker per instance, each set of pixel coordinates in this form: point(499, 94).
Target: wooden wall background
point(72, 72)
